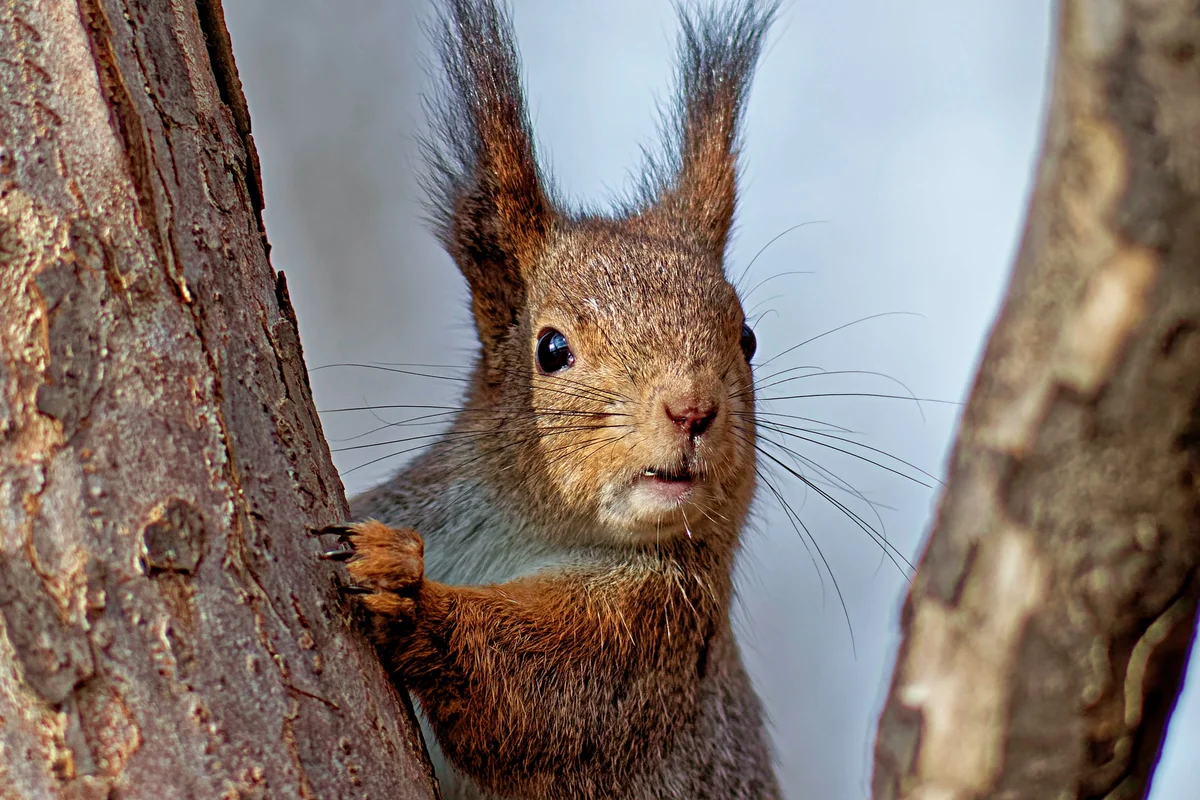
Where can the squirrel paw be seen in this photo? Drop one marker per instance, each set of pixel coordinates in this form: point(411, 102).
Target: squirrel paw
point(386, 565)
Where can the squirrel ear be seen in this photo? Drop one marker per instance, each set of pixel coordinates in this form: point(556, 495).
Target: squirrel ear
point(718, 50)
point(488, 200)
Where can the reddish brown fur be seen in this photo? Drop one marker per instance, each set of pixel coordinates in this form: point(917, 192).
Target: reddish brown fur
point(601, 663)
point(617, 654)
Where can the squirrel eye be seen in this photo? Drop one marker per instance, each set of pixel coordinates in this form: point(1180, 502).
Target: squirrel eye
point(749, 342)
point(553, 352)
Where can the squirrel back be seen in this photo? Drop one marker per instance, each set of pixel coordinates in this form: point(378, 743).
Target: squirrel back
point(570, 633)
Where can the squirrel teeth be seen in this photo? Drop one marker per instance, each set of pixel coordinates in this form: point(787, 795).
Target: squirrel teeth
point(669, 475)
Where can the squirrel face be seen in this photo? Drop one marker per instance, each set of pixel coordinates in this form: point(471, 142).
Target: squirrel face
point(614, 358)
point(638, 381)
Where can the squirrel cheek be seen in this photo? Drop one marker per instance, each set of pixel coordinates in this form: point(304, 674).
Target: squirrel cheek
point(580, 483)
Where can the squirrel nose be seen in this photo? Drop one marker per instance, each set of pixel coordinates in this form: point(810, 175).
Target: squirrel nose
point(691, 417)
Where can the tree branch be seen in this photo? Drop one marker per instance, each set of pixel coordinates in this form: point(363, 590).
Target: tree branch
point(1048, 627)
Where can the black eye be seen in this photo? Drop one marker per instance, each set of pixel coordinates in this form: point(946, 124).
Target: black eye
point(749, 342)
point(553, 352)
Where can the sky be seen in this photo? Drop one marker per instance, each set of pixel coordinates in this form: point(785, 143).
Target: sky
point(901, 137)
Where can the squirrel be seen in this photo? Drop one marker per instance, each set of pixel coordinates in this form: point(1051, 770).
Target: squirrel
point(562, 618)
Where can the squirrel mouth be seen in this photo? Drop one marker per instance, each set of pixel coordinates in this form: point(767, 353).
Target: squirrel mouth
point(657, 490)
point(681, 474)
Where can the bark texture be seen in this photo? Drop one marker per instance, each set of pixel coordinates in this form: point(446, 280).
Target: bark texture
point(165, 629)
point(1049, 623)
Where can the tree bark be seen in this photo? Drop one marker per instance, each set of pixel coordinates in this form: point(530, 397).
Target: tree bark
point(1048, 626)
point(165, 628)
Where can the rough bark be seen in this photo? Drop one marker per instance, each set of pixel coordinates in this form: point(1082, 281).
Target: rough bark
point(165, 630)
point(1049, 623)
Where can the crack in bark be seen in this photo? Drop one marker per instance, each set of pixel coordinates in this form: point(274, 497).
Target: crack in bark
point(220, 56)
point(130, 128)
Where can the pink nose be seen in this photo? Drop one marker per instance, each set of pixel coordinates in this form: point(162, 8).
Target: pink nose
point(691, 417)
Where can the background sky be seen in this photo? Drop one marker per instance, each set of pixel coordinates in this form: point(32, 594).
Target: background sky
point(905, 132)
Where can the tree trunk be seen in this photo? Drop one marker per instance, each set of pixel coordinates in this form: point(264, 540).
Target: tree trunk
point(1048, 626)
point(165, 629)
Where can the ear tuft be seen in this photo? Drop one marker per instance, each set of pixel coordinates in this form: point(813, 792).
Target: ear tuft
point(488, 200)
point(695, 186)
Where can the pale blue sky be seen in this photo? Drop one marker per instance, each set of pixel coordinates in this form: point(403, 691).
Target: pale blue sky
point(908, 129)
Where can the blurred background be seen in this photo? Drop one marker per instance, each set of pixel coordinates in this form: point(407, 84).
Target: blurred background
point(905, 133)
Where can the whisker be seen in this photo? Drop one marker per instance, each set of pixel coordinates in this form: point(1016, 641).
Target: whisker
point(773, 240)
point(433, 419)
point(843, 327)
point(780, 428)
point(467, 435)
point(493, 411)
point(758, 413)
point(796, 520)
point(765, 281)
point(788, 514)
point(587, 392)
point(831, 480)
point(573, 449)
point(822, 374)
point(525, 440)
point(407, 365)
point(394, 370)
point(750, 312)
point(568, 447)
point(711, 518)
point(892, 551)
point(862, 394)
point(373, 461)
point(495, 450)
point(465, 439)
point(759, 379)
point(581, 389)
point(438, 418)
point(449, 436)
point(449, 409)
point(407, 369)
point(757, 319)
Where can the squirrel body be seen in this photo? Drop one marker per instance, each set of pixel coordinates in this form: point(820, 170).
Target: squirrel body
point(562, 616)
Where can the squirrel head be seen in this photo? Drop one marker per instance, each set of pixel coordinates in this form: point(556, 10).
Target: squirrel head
point(614, 367)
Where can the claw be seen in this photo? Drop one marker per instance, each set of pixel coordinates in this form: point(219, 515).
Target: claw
point(341, 530)
point(337, 554)
point(354, 588)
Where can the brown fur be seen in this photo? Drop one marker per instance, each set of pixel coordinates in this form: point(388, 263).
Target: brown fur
point(593, 657)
